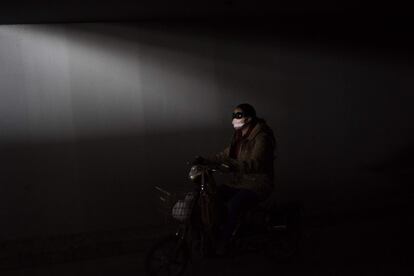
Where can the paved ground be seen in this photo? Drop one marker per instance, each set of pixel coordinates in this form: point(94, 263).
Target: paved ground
point(371, 247)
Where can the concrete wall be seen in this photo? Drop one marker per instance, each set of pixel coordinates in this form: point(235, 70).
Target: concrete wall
point(92, 116)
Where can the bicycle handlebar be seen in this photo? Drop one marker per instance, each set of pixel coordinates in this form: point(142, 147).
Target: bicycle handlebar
point(214, 166)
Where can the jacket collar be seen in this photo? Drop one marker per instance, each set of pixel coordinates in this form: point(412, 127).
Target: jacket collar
point(258, 127)
point(256, 130)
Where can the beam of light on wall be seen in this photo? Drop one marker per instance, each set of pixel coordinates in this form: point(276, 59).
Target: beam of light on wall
point(58, 83)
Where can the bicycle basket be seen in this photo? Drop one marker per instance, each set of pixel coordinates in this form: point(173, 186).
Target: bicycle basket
point(181, 210)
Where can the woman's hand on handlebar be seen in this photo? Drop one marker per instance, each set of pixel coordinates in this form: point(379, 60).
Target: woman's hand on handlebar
point(198, 160)
point(222, 167)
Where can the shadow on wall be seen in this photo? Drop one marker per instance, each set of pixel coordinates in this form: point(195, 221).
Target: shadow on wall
point(200, 38)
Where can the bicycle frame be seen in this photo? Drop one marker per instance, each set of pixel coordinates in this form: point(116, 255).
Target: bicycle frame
point(203, 220)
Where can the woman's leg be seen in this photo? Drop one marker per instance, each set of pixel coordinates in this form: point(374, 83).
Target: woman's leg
point(242, 201)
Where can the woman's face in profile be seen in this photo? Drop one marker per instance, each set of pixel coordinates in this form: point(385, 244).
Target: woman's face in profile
point(239, 119)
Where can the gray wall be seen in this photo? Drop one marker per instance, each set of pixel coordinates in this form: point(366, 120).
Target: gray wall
point(92, 116)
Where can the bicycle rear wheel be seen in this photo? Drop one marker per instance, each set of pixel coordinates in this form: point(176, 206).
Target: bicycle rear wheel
point(287, 238)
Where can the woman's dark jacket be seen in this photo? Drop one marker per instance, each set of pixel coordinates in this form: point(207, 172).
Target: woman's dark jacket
point(253, 163)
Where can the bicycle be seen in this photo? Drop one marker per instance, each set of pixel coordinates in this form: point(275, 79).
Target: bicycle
point(274, 230)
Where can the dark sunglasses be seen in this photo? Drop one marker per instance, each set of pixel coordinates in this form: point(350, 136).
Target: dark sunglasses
point(237, 115)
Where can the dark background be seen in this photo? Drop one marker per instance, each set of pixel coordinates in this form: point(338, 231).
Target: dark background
point(101, 102)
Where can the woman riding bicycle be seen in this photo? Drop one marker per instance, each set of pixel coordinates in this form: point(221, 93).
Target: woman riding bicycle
point(250, 158)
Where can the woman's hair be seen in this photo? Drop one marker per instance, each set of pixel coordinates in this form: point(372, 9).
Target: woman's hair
point(248, 110)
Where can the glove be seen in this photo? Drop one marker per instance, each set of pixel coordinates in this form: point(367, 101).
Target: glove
point(225, 168)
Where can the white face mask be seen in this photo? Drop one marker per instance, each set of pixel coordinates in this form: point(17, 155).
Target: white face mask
point(238, 123)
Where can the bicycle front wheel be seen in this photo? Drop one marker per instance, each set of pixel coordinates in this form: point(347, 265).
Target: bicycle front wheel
point(168, 257)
